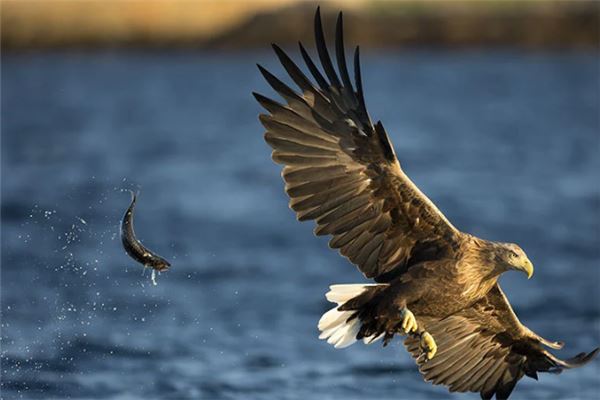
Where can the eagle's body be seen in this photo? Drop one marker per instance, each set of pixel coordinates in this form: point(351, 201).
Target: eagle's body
point(467, 276)
point(429, 290)
point(433, 282)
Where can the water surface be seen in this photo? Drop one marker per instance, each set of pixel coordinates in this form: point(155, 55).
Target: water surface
point(506, 144)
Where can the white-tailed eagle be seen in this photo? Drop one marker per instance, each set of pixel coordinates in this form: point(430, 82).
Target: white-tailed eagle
point(437, 285)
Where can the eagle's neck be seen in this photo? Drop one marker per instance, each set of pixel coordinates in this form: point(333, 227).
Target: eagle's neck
point(478, 270)
point(489, 264)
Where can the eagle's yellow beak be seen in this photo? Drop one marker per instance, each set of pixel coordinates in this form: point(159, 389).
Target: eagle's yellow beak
point(527, 267)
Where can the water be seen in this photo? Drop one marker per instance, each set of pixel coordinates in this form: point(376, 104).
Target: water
point(506, 144)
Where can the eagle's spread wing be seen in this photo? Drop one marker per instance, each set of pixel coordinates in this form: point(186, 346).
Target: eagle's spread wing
point(341, 170)
point(486, 349)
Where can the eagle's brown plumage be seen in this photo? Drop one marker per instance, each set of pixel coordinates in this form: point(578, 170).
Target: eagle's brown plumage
point(485, 348)
point(340, 170)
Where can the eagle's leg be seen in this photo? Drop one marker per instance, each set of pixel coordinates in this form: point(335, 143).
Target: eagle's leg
point(408, 322)
point(427, 344)
point(409, 325)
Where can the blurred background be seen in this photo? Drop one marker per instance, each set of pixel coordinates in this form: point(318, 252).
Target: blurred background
point(493, 107)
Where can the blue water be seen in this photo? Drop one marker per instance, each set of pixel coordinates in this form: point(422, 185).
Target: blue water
point(506, 144)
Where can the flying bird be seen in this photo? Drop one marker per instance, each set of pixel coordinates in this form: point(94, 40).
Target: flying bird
point(433, 283)
point(135, 249)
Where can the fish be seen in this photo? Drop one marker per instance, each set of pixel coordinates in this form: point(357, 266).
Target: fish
point(135, 249)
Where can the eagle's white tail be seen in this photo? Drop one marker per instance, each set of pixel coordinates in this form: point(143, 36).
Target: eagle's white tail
point(341, 327)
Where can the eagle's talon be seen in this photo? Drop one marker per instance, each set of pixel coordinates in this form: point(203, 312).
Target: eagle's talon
point(428, 345)
point(409, 322)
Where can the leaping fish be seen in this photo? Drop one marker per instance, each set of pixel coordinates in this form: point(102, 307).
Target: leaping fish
point(135, 249)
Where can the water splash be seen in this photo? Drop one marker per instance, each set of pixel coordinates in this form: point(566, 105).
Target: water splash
point(153, 278)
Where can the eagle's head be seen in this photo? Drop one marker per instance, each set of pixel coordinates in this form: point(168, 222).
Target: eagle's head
point(513, 257)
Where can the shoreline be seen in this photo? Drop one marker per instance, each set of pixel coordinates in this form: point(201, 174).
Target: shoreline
point(231, 24)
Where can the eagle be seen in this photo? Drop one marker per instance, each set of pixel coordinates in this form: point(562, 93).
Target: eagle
point(433, 284)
